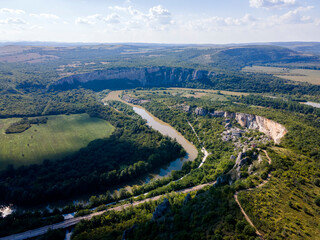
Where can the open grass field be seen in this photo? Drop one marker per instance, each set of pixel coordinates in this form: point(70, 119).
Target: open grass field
point(212, 91)
point(298, 75)
point(213, 95)
point(62, 135)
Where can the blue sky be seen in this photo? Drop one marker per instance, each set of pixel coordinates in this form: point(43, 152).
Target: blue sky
point(166, 21)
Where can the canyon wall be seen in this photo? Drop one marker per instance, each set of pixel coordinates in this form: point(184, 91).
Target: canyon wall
point(150, 76)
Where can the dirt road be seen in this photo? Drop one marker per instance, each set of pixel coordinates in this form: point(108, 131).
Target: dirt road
point(250, 189)
point(74, 221)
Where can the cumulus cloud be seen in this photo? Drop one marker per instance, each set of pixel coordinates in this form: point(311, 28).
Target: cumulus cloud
point(160, 15)
point(213, 23)
point(112, 19)
point(92, 19)
point(11, 11)
point(16, 21)
point(44, 15)
point(272, 3)
point(157, 18)
point(294, 17)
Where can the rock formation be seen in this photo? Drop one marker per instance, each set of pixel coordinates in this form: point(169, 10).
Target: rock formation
point(162, 209)
point(269, 127)
point(200, 111)
point(151, 76)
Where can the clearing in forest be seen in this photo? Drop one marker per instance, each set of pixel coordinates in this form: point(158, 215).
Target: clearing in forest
point(60, 136)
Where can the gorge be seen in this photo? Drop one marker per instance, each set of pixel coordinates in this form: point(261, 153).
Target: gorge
point(121, 78)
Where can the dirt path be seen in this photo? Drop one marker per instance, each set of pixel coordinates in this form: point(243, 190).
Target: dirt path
point(250, 189)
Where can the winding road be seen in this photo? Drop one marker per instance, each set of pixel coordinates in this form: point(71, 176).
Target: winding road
point(74, 221)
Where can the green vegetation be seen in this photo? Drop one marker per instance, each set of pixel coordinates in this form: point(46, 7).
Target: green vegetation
point(19, 222)
point(284, 208)
point(287, 207)
point(299, 75)
point(131, 151)
point(186, 219)
point(58, 234)
point(277, 103)
point(61, 136)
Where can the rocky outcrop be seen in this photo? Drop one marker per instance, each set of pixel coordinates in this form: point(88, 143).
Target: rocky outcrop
point(269, 127)
point(217, 114)
point(151, 76)
point(242, 160)
point(182, 107)
point(200, 111)
point(222, 179)
point(162, 209)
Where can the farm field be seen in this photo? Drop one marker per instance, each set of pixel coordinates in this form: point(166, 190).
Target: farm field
point(298, 75)
point(62, 135)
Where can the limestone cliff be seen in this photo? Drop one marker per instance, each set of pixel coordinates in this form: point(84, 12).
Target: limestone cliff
point(150, 76)
point(271, 128)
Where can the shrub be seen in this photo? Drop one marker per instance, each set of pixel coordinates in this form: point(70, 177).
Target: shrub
point(250, 231)
point(317, 182)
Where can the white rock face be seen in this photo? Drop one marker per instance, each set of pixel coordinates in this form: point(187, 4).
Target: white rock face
point(271, 128)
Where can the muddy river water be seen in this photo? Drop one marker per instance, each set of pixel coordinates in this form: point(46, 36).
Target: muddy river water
point(164, 129)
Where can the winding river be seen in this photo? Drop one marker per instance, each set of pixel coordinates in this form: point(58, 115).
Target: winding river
point(164, 129)
point(158, 125)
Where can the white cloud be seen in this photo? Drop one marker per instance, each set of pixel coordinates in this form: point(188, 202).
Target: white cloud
point(112, 19)
point(129, 18)
point(293, 17)
point(118, 8)
point(11, 11)
point(214, 23)
point(17, 21)
point(92, 19)
point(44, 15)
point(272, 3)
point(83, 21)
point(160, 15)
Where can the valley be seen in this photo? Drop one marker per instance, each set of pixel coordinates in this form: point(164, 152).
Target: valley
point(177, 145)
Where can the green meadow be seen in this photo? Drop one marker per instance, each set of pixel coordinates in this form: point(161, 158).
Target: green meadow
point(61, 136)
